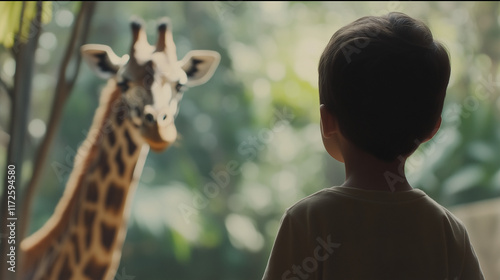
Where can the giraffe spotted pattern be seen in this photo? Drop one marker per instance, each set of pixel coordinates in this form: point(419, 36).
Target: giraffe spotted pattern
point(84, 237)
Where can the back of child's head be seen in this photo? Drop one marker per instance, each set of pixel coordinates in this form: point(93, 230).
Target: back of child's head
point(384, 79)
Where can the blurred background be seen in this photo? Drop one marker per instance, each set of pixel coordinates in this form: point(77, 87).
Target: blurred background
point(210, 206)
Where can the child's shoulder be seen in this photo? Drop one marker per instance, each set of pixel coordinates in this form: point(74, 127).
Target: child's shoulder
point(337, 194)
point(344, 199)
point(318, 201)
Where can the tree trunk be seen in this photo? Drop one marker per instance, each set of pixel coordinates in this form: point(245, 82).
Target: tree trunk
point(24, 55)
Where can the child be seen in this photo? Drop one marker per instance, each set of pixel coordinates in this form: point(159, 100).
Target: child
point(382, 83)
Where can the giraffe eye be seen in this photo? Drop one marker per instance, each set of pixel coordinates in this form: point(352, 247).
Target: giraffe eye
point(123, 85)
point(137, 111)
point(135, 114)
point(180, 87)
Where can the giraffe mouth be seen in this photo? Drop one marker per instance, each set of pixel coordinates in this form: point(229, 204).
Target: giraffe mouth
point(158, 146)
point(159, 138)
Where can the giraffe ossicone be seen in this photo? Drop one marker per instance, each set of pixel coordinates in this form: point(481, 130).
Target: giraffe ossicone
point(83, 239)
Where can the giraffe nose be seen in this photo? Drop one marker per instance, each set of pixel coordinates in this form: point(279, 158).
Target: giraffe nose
point(153, 116)
point(149, 118)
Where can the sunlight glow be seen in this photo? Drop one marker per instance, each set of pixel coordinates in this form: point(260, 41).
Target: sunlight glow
point(249, 170)
point(156, 209)
point(285, 145)
point(243, 234)
point(261, 88)
point(276, 70)
point(257, 196)
point(245, 58)
point(42, 56)
point(37, 128)
point(285, 182)
point(48, 40)
point(307, 54)
point(9, 67)
point(64, 18)
point(275, 11)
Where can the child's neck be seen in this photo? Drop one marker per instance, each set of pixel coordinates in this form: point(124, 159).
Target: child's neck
point(364, 171)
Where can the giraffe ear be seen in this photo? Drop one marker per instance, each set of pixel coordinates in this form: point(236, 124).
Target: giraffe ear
point(199, 66)
point(102, 60)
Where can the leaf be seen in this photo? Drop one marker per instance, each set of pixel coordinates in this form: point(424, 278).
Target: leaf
point(10, 16)
point(9, 22)
point(464, 179)
point(181, 248)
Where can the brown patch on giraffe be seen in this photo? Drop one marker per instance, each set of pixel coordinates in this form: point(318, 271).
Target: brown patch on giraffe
point(48, 256)
point(30, 273)
point(130, 143)
point(65, 272)
point(52, 263)
point(114, 198)
point(49, 252)
point(103, 164)
point(76, 212)
point(111, 137)
point(108, 234)
point(120, 115)
point(95, 270)
point(88, 220)
point(76, 246)
point(92, 193)
point(119, 162)
point(61, 236)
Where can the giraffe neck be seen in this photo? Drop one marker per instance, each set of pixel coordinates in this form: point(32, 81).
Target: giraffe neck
point(84, 237)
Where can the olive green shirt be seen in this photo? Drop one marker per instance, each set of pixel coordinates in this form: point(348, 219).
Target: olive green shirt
point(348, 233)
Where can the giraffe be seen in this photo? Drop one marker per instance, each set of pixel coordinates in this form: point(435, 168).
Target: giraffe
point(83, 239)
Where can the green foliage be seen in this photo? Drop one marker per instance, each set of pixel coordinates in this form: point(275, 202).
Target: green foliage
point(11, 13)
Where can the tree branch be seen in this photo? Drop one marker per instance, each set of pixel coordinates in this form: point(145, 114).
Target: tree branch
point(4, 138)
point(62, 92)
point(17, 39)
point(24, 54)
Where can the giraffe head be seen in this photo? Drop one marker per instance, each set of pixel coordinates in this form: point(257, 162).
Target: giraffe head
point(152, 80)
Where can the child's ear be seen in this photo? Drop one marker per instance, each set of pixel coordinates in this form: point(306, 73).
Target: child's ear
point(199, 66)
point(435, 130)
point(102, 60)
point(329, 124)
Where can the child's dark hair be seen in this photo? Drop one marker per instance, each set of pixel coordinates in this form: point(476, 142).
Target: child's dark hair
point(385, 80)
